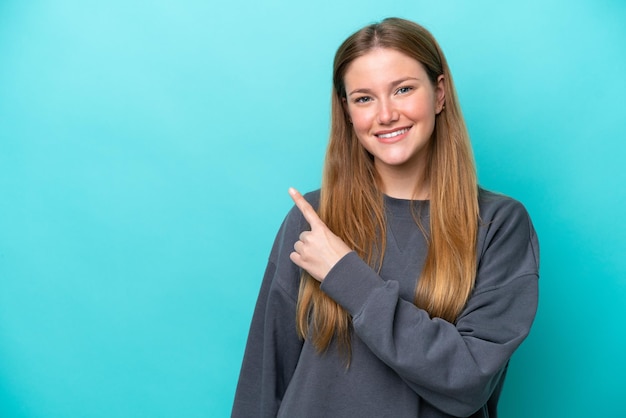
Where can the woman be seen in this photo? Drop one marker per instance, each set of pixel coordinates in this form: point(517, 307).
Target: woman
point(401, 288)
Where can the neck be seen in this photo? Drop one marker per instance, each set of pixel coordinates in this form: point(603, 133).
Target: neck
point(401, 184)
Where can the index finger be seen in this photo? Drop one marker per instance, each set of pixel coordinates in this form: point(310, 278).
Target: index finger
point(305, 207)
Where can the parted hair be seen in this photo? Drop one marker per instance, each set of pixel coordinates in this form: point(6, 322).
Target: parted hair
point(352, 204)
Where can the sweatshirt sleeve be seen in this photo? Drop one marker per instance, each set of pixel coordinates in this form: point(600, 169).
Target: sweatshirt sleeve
point(454, 367)
point(273, 346)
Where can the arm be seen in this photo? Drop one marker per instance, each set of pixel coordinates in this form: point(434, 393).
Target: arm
point(453, 367)
point(273, 345)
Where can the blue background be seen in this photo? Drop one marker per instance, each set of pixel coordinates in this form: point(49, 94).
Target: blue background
point(146, 149)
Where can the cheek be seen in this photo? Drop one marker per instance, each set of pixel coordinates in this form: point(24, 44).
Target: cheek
point(361, 120)
point(420, 109)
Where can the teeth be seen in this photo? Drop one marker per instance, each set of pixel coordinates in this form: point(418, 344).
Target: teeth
point(392, 134)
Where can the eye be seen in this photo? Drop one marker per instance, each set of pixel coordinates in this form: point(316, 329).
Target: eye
point(404, 90)
point(363, 99)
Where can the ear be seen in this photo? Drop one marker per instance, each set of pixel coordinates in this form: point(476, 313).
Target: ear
point(440, 94)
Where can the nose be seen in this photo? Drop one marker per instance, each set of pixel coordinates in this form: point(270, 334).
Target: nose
point(387, 113)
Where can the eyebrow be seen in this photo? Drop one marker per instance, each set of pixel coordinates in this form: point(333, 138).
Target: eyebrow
point(393, 84)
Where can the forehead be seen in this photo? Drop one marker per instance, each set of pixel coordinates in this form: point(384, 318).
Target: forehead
point(382, 64)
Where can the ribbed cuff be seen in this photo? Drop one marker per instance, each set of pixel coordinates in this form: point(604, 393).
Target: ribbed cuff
point(350, 282)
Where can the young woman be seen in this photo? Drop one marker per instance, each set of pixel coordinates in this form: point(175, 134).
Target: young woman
point(401, 288)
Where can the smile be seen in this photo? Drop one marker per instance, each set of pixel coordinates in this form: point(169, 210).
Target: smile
point(393, 134)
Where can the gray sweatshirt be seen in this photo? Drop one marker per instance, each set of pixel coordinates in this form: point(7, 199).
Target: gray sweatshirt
point(403, 363)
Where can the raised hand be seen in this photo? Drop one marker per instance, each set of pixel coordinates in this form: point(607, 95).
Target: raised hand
point(317, 250)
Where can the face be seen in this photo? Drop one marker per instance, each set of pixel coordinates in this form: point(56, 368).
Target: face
point(392, 104)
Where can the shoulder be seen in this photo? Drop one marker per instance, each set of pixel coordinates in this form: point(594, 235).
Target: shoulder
point(499, 213)
point(497, 206)
point(507, 238)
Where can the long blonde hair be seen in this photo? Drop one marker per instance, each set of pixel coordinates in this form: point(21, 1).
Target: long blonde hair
point(351, 203)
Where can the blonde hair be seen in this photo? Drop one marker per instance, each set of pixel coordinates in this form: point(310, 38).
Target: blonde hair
point(351, 203)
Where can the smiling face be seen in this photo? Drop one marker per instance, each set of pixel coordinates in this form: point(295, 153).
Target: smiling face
point(392, 105)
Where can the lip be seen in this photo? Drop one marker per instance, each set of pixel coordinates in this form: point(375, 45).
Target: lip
point(395, 138)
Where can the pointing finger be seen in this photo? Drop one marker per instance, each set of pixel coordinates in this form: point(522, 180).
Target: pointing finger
point(307, 210)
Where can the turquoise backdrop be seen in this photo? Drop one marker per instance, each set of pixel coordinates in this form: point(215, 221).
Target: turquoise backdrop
point(146, 148)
